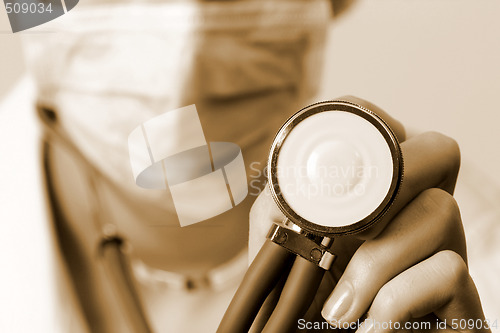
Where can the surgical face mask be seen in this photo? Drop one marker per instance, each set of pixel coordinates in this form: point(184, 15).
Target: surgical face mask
point(245, 65)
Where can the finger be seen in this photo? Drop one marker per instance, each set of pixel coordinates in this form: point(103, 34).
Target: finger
point(430, 160)
point(430, 223)
point(263, 214)
point(441, 285)
point(396, 126)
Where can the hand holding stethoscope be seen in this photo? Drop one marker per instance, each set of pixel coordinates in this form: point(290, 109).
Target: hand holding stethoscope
point(412, 228)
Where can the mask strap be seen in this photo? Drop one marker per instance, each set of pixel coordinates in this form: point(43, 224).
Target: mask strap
point(52, 131)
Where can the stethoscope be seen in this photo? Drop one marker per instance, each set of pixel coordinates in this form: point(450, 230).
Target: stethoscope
point(334, 169)
point(112, 251)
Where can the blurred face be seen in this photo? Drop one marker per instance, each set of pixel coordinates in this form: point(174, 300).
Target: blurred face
point(120, 66)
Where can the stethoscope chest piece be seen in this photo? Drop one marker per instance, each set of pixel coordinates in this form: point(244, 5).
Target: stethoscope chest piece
point(334, 168)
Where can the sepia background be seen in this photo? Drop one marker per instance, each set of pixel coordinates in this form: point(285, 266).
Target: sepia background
point(434, 65)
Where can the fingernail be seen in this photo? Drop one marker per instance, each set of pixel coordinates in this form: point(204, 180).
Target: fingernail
point(366, 326)
point(339, 302)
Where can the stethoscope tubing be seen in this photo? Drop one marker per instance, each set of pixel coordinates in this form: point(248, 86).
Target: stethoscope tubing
point(111, 256)
point(265, 272)
point(296, 297)
point(260, 279)
point(117, 269)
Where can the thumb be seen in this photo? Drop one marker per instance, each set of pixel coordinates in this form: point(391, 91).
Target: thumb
point(263, 214)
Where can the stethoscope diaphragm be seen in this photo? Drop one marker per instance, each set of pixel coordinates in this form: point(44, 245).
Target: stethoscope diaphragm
point(334, 168)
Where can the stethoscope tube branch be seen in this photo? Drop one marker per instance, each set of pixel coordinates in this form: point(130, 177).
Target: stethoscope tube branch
point(111, 257)
point(297, 296)
point(268, 307)
point(117, 269)
point(263, 274)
